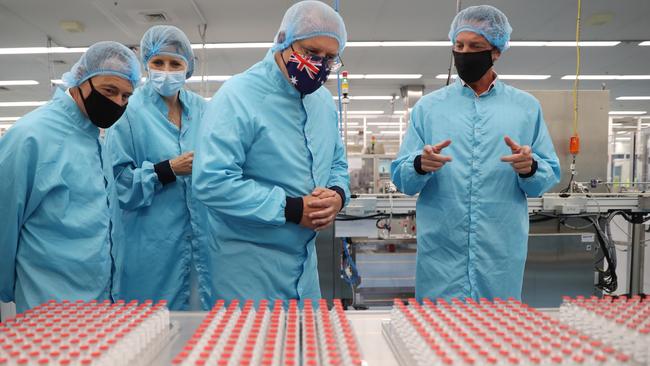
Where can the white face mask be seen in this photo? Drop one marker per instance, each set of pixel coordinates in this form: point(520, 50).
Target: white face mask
point(167, 83)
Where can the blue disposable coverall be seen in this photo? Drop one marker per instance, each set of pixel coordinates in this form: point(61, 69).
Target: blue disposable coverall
point(54, 192)
point(472, 214)
point(261, 144)
point(159, 228)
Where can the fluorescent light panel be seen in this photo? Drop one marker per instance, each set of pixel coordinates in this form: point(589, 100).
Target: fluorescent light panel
point(40, 50)
point(8, 119)
point(17, 82)
point(390, 132)
point(22, 104)
point(369, 97)
point(645, 43)
point(396, 124)
point(365, 112)
point(607, 77)
point(233, 45)
point(630, 113)
point(634, 98)
point(384, 76)
point(505, 77)
point(399, 44)
point(239, 45)
point(219, 78)
point(564, 43)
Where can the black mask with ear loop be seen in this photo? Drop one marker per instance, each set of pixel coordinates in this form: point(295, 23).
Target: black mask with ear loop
point(101, 111)
point(471, 66)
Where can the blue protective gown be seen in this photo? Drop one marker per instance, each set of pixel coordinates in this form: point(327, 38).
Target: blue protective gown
point(261, 143)
point(472, 214)
point(159, 229)
point(55, 217)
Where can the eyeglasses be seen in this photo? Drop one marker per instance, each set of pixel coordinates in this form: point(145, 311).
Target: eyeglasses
point(334, 63)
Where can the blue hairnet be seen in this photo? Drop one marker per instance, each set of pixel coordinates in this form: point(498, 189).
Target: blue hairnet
point(104, 58)
point(485, 20)
point(308, 19)
point(167, 40)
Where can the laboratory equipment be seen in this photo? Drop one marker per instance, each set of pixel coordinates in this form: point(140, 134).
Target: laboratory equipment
point(270, 334)
point(85, 333)
point(498, 332)
point(564, 246)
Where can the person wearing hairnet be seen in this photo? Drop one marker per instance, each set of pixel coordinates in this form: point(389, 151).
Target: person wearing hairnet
point(55, 227)
point(271, 166)
point(473, 151)
point(160, 248)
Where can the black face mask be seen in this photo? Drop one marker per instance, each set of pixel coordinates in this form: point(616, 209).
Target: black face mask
point(101, 111)
point(471, 66)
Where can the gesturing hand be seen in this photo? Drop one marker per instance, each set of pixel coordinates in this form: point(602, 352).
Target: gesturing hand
point(521, 158)
point(431, 159)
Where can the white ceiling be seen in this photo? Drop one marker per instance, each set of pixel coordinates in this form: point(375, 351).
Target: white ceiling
point(28, 23)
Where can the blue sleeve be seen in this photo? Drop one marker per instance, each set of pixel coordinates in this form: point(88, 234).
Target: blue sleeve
point(548, 164)
point(339, 175)
point(218, 179)
point(403, 172)
point(18, 164)
point(135, 184)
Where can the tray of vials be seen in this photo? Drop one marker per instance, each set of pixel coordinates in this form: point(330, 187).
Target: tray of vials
point(85, 333)
point(621, 322)
point(273, 334)
point(498, 332)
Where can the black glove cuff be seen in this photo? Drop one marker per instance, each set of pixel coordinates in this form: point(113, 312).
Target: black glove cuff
point(417, 164)
point(293, 210)
point(165, 173)
point(533, 169)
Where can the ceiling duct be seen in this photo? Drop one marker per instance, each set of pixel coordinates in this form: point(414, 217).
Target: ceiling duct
point(154, 17)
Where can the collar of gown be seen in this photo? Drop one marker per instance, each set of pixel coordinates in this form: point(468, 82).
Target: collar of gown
point(277, 77)
point(465, 89)
point(71, 108)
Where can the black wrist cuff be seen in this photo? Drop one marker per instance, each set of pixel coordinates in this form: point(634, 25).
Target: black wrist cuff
point(293, 210)
point(533, 169)
point(417, 164)
point(165, 173)
point(341, 193)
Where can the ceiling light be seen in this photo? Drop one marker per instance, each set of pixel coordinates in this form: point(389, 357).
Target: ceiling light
point(17, 82)
point(37, 50)
point(233, 45)
point(384, 124)
point(198, 79)
point(399, 44)
point(365, 112)
point(22, 104)
point(384, 76)
point(564, 43)
point(390, 132)
point(10, 119)
point(634, 98)
point(645, 43)
point(505, 77)
point(607, 77)
point(393, 76)
point(369, 97)
point(631, 113)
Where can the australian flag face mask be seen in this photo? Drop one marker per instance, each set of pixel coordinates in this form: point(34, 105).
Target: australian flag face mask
point(307, 73)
